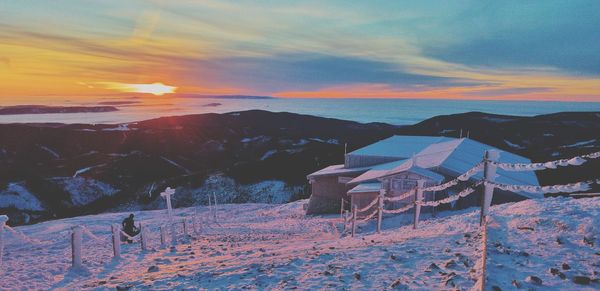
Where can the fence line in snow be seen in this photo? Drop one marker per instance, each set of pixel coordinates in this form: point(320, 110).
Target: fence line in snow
point(488, 165)
point(464, 177)
point(417, 204)
point(77, 232)
point(574, 161)
point(116, 232)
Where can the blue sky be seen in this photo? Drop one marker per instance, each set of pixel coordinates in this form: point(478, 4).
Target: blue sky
point(535, 50)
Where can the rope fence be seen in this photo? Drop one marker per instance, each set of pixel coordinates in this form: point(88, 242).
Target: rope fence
point(575, 161)
point(116, 238)
point(401, 197)
point(567, 188)
point(399, 210)
point(368, 206)
point(455, 197)
point(464, 177)
point(488, 165)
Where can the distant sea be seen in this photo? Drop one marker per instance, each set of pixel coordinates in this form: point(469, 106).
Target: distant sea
point(392, 111)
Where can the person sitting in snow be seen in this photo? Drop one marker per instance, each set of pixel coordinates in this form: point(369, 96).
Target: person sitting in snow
point(129, 227)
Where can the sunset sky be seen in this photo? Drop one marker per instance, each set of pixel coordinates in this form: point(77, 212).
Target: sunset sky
point(534, 50)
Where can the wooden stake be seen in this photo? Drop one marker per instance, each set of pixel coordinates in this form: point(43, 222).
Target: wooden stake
point(76, 238)
point(489, 173)
point(354, 211)
point(418, 199)
point(116, 240)
point(380, 209)
point(163, 236)
point(3, 220)
point(143, 237)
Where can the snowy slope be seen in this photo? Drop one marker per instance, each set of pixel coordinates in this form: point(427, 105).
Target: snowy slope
point(260, 246)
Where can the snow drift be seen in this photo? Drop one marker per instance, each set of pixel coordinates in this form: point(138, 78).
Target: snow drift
point(548, 243)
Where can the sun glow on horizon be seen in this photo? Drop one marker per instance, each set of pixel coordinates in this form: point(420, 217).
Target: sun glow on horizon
point(453, 50)
point(156, 88)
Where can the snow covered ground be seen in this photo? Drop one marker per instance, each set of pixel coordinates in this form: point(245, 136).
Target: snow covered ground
point(261, 246)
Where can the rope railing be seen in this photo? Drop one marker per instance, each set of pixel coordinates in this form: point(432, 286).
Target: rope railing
point(567, 188)
point(401, 197)
point(488, 165)
point(79, 231)
point(368, 217)
point(368, 206)
point(574, 161)
point(399, 210)
point(464, 177)
point(450, 199)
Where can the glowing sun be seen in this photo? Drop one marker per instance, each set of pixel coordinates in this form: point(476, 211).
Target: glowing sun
point(154, 88)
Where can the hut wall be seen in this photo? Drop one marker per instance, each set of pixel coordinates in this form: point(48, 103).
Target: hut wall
point(326, 195)
point(363, 199)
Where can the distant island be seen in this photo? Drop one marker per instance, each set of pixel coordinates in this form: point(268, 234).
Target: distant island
point(225, 96)
point(118, 102)
point(43, 109)
point(212, 104)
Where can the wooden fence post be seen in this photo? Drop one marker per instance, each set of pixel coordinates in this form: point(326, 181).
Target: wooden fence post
point(342, 209)
point(215, 210)
point(345, 220)
point(489, 174)
point(3, 220)
point(195, 224)
point(354, 211)
point(380, 209)
point(143, 237)
point(185, 227)
point(173, 234)
point(163, 236)
point(200, 226)
point(484, 255)
point(116, 240)
point(418, 199)
point(76, 238)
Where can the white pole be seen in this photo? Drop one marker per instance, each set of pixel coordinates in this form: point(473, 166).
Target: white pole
point(76, 237)
point(489, 174)
point(169, 207)
point(215, 211)
point(418, 199)
point(354, 211)
point(143, 237)
point(380, 210)
point(163, 236)
point(167, 195)
point(3, 220)
point(116, 240)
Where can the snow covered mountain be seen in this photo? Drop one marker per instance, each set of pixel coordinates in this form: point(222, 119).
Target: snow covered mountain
point(545, 244)
point(50, 171)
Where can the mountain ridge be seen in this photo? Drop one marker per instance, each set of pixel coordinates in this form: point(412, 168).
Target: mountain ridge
point(239, 155)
